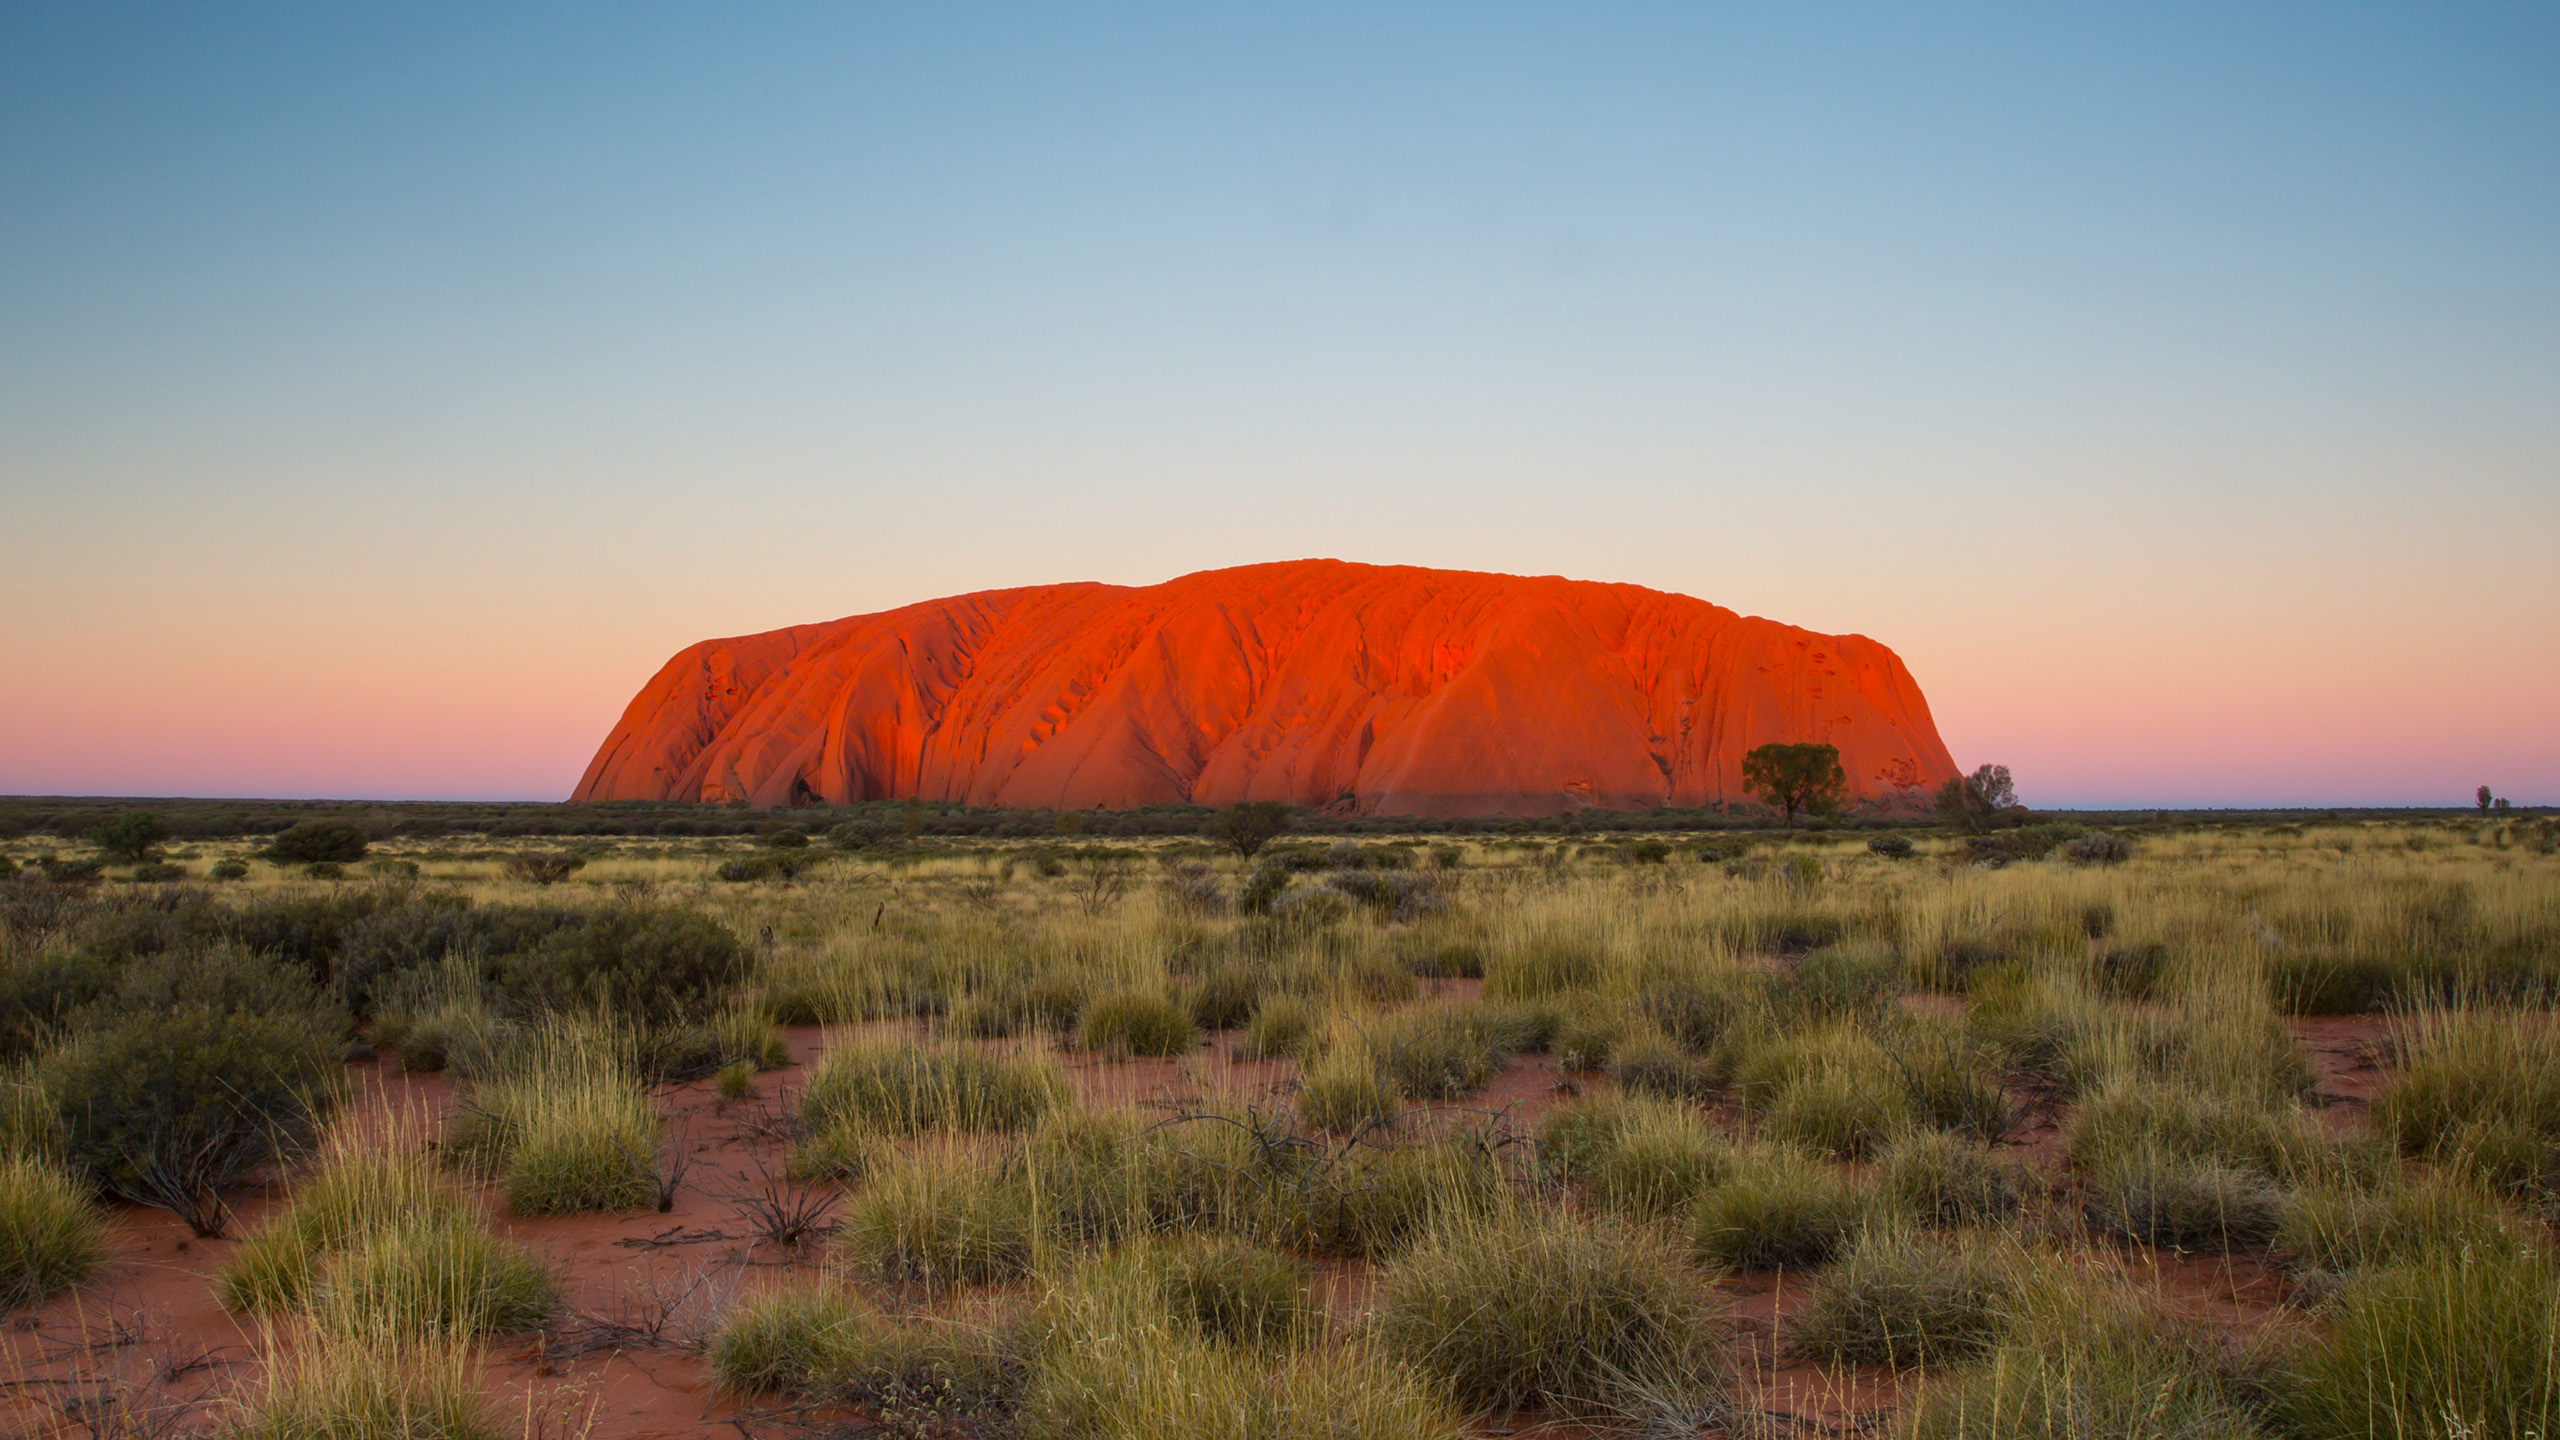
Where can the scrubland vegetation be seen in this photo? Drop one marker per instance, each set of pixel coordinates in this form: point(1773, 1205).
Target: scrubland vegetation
point(2246, 1131)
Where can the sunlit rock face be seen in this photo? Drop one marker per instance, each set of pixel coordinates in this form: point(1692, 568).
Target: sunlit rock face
point(1381, 689)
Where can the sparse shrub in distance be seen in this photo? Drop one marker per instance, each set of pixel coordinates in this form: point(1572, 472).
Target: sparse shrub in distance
point(1530, 1306)
point(312, 842)
point(1891, 847)
point(543, 867)
point(1136, 1023)
point(2098, 847)
point(1974, 802)
point(324, 870)
point(1942, 1179)
point(782, 837)
point(1776, 1208)
point(229, 869)
point(2454, 1342)
point(1262, 889)
point(903, 1089)
point(650, 964)
point(1192, 889)
point(157, 873)
point(1906, 1300)
point(1248, 825)
point(51, 1237)
point(131, 838)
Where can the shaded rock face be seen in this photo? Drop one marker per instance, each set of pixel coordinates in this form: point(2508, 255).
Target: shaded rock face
point(1382, 689)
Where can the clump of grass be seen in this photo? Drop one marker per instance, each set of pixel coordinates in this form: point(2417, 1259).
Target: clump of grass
point(51, 1236)
point(1777, 1207)
point(1345, 1089)
point(439, 1277)
point(1371, 1200)
point(901, 1089)
point(1232, 1289)
point(2154, 1197)
point(1642, 1157)
point(1844, 1111)
point(1440, 1052)
point(2480, 1092)
point(1529, 1306)
point(2339, 1227)
point(1903, 1299)
point(824, 1341)
point(566, 1129)
point(1942, 1179)
point(1655, 1064)
point(2238, 1131)
point(338, 1384)
point(1136, 1022)
point(940, 1219)
point(365, 1183)
point(2083, 1356)
point(2460, 1342)
point(1281, 1028)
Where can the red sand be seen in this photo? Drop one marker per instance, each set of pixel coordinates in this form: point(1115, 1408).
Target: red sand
point(1380, 689)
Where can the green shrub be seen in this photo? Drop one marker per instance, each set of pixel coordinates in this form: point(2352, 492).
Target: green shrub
point(939, 1220)
point(172, 1109)
point(1904, 1300)
point(1528, 1306)
point(649, 964)
point(2457, 1342)
point(1941, 1179)
point(51, 1237)
point(1136, 1022)
point(1776, 1208)
point(229, 869)
point(318, 842)
point(902, 1089)
point(131, 837)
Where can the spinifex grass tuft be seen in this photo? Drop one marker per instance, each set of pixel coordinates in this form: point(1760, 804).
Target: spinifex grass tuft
point(51, 1236)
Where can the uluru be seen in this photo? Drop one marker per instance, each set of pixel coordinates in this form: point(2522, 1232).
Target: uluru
point(1377, 689)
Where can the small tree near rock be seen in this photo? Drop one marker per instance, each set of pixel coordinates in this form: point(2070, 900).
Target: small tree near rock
point(1793, 779)
point(1248, 825)
point(1973, 802)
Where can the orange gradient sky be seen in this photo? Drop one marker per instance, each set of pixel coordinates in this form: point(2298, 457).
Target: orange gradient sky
point(383, 400)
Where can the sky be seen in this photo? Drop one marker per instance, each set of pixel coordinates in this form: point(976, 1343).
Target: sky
point(385, 392)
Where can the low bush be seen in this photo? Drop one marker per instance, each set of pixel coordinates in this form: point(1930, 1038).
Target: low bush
point(2098, 847)
point(1941, 1179)
point(903, 1089)
point(2455, 1342)
point(1529, 1306)
point(340, 1385)
point(318, 842)
point(1231, 1289)
point(1656, 1065)
point(446, 1277)
point(2139, 1120)
point(651, 965)
point(1777, 1208)
point(173, 1109)
point(363, 1184)
point(1904, 1300)
point(2338, 1227)
point(1440, 1052)
point(1656, 1158)
point(1136, 1023)
point(1891, 847)
point(51, 1237)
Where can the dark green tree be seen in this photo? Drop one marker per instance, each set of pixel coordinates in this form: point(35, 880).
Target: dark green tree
point(2483, 797)
point(313, 841)
point(1973, 802)
point(134, 836)
point(1248, 825)
point(1793, 779)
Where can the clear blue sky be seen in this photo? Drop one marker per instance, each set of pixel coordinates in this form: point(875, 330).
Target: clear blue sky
point(384, 394)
